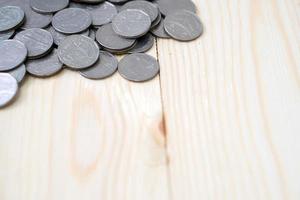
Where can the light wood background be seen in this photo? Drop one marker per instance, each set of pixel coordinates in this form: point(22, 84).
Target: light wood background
point(222, 122)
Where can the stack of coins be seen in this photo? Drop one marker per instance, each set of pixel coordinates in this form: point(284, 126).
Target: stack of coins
point(42, 37)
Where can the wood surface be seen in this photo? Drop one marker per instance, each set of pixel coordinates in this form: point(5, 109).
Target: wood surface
point(221, 122)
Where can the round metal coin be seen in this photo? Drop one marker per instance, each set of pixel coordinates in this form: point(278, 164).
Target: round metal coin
point(48, 6)
point(18, 73)
point(45, 66)
point(78, 52)
point(12, 54)
point(10, 17)
point(168, 7)
point(37, 41)
point(143, 44)
point(110, 40)
point(8, 88)
point(105, 67)
point(183, 26)
point(147, 7)
point(138, 67)
point(71, 20)
point(131, 23)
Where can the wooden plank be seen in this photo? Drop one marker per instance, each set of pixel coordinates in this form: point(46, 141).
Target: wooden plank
point(71, 138)
point(232, 102)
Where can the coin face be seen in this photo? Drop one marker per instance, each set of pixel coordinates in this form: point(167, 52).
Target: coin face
point(8, 88)
point(138, 67)
point(143, 44)
point(110, 40)
point(48, 6)
point(103, 68)
point(10, 17)
point(145, 6)
point(71, 20)
point(37, 41)
point(168, 7)
point(32, 19)
point(12, 54)
point(131, 23)
point(6, 35)
point(102, 13)
point(18, 73)
point(45, 66)
point(78, 52)
point(183, 26)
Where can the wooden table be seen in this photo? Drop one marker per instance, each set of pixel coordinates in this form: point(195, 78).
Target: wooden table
point(221, 122)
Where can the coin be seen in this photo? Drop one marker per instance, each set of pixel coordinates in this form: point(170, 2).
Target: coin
point(32, 19)
point(105, 67)
point(10, 17)
point(143, 44)
point(167, 7)
point(45, 66)
point(48, 6)
point(145, 6)
point(183, 26)
point(138, 67)
point(102, 13)
point(8, 89)
point(78, 52)
point(131, 23)
point(110, 40)
point(6, 35)
point(159, 30)
point(37, 41)
point(59, 37)
point(12, 54)
point(71, 20)
point(18, 73)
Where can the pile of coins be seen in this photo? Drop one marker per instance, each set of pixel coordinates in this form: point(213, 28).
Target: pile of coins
point(42, 37)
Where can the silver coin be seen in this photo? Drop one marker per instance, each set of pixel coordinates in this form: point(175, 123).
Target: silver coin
point(102, 13)
point(6, 35)
point(33, 19)
point(78, 52)
point(48, 6)
point(138, 67)
point(108, 39)
point(105, 67)
point(159, 30)
point(12, 54)
point(10, 17)
point(131, 23)
point(71, 20)
point(37, 41)
point(59, 37)
point(45, 66)
point(145, 6)
point(167, 7)
point(183, 26)
point(143, 44)
point(18, 73)
point(8, 89)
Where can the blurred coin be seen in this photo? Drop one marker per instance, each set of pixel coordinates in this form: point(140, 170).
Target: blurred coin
point(6, 35)
point(78, 52)
point(10, 17)
point(48, 6)
point(45, 66)
point(8, 88)
point(143, 44)
point(105, 67)
point(71, 20)
point(18, 73)
point(168, 7)
point(12, 54)
point(131, 23)
point(138, 67)
point(183, 26)
point(37, 41)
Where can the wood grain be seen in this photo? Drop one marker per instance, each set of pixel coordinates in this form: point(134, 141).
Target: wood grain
point(68, 138)
point(232, 101)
